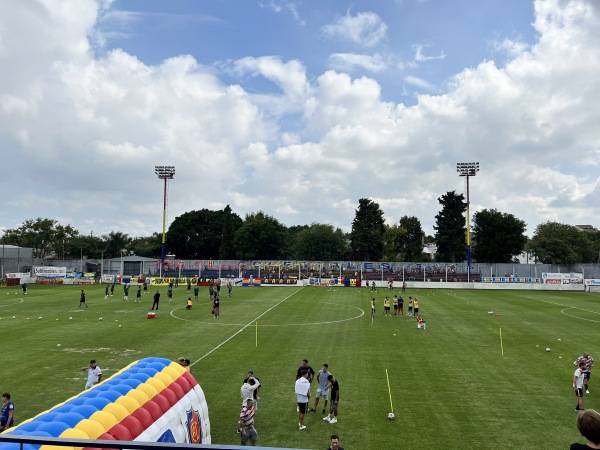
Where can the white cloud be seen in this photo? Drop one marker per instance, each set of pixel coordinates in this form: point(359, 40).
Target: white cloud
point(421, 57)
point(352, 61)
point(419, 82)
point(88, 130)
point(279, 6)
point(365, 29)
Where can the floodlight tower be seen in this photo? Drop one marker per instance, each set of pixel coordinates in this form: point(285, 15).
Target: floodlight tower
point(164, 173)
point(468, 170)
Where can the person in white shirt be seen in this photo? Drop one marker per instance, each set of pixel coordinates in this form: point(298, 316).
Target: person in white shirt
point(94, 374)
point(302, 390)
point(578, 377)
point(248, 388)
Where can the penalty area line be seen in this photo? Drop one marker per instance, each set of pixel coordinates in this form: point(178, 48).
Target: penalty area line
point(244, 327)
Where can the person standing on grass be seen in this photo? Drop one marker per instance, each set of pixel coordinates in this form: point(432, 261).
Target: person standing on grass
point(335, 400)
point(229, 288)
point(112, 289)
point(82, 299)
point(126, 292)
point(386, 306)
point(170, 294)
point(255, 392)
point(335, 443)
point(302, 390)
point(247, 430)
point(322, 388)
point(216, 307)
point(416, 307)
point(156, 300)
point(94, 374)
point(395, 303)
point(589, 363)
point(106, 293)
point(578, 378)
point(249, 388)
point(588, 424)
point(404, 286)
point(196, 292)
point(145, 287)
point(401, 305)
point(138, 295)
point(309, 370)
point(410, 307)
point(24, 287)
point(7, 412)
point(373, 286)
point(372, 307)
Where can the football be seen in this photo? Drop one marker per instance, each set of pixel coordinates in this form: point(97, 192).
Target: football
point(391, 416)
point(547, 349)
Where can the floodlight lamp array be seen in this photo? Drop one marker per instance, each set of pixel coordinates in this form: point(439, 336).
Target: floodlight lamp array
point(467, 169)
point(165, 172)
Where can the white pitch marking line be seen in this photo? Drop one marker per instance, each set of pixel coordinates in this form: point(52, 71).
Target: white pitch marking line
point(243, 328)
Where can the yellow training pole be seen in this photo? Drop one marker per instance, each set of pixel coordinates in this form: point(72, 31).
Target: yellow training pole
point(389, 390)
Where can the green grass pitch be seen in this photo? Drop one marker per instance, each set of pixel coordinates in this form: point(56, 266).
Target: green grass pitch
point(450, 385)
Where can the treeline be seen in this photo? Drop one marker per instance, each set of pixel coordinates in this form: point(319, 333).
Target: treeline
point(496, 237)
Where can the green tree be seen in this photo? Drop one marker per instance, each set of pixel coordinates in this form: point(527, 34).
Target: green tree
point(147, 246)
point(368, 229)
point(411, 241)
point(199, 234)
point(46, 237)
point(391, 239)
point(497, 237)
point(320, 242)
point(558, 243)
point(450, 228)
point(260, 237)
point(231, 223)
point(114, 243)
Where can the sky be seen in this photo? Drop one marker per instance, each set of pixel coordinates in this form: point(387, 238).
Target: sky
point(297, 108)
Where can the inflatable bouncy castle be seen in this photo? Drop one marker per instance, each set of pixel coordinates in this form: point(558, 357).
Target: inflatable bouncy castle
point(151, 400)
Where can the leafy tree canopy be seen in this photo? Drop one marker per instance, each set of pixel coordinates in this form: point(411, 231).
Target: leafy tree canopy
point(497, 237)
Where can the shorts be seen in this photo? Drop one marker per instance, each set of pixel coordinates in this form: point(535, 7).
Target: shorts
point(387, 308)
point(395, 307)
point(302, 407)
point(401, 307)
point(251, 435)
point(579, 392)
point(416, 310)
point(410, 309)
point(586, 375)
point(334, 405)
point(324, 394)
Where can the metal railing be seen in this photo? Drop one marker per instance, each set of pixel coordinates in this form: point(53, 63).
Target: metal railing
point(133, 445)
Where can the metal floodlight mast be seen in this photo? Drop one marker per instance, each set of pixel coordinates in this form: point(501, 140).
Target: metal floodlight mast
point(468, 170)
point(164, 173)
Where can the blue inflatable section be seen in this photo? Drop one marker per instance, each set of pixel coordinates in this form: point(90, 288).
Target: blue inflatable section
point(52, 423)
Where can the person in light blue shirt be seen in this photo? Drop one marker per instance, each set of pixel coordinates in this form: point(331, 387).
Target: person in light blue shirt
point(322, 388)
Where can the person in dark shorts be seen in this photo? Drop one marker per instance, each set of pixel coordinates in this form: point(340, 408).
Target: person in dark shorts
point(82, 299)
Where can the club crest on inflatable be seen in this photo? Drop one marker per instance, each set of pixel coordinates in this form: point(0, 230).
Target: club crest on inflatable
point(151, 400)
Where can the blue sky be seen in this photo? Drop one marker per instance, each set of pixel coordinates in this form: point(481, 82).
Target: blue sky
point(428, 41)
point(297, 109)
